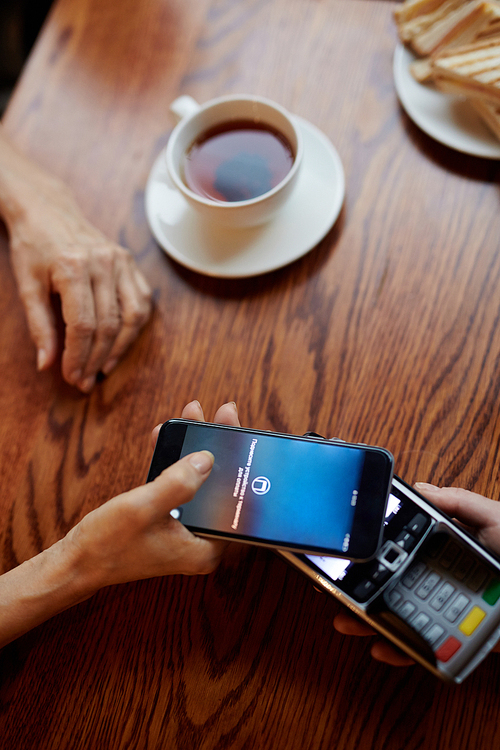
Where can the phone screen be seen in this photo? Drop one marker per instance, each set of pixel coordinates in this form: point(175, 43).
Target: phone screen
point(282, 490)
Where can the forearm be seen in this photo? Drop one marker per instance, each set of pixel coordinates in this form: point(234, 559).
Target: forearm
point(22, 183)
point(40, 588)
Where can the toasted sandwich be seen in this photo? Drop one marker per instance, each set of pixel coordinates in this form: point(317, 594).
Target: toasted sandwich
point(483, 22)
point(472, 70)
point(411, 9)
point(429, 26)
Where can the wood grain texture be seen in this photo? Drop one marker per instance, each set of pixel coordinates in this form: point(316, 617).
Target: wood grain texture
point(387, 333)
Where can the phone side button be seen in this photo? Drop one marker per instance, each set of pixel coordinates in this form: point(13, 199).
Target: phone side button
point(448, 649)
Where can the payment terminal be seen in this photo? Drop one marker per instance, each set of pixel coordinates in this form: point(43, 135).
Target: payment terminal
point(433, 590)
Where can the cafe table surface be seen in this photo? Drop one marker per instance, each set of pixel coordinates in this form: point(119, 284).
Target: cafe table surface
point(387, 332)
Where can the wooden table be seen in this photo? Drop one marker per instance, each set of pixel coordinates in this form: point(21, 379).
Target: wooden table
point(388, 332)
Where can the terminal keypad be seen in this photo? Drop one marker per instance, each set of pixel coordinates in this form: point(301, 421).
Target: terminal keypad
point(446, 595)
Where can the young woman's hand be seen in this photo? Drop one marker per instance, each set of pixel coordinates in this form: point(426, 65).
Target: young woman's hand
point(133, 536)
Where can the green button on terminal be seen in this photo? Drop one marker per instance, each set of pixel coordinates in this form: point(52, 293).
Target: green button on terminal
point(492, 592)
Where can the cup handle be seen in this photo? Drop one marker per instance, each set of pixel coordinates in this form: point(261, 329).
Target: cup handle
point(183, 106)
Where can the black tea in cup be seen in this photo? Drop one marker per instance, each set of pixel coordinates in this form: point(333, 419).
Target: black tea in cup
point(237, 161)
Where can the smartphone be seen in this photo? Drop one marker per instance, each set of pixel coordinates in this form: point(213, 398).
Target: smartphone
point(433, 590)
point(282, 491)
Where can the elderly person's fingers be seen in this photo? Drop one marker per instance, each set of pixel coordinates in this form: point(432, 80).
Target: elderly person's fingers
point(134, 301)
point(35, 297)
point(71, 280)
point(105, 303)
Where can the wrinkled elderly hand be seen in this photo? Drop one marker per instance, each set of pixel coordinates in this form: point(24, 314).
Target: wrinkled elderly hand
point(479, 514)
point(105, 299)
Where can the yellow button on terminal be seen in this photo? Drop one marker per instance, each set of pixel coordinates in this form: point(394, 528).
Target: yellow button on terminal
point(473, 619)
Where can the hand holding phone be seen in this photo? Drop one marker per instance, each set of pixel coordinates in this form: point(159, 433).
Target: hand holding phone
point(480, 514)
point(130, 537)
point(133, 535)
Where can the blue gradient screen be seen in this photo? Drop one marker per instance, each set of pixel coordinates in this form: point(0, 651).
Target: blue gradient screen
point(275, 488)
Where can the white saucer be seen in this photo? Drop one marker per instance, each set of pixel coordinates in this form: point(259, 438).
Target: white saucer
point(451, 120)
point(309, 213)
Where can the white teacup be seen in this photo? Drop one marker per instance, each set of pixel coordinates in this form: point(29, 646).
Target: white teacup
point(194, 120)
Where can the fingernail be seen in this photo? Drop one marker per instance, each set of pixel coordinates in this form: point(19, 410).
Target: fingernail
point(87, 384)
point(75, 376)
point(41, 359)
point(109, 365)
point(233, 404)
point(425, 486)
point(202, 461)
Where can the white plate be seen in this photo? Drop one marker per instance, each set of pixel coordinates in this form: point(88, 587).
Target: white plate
point(451, 120)
point(309, 213)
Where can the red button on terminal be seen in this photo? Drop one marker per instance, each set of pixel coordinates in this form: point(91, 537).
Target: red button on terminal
point(448, 648)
